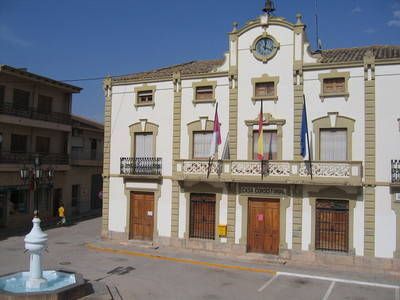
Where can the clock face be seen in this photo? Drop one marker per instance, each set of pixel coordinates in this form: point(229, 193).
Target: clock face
point(265, 47)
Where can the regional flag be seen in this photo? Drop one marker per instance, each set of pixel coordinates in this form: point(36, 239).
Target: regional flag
point(216, 137)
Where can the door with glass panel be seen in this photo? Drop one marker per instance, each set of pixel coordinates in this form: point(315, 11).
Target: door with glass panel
point(333, 145)
point(144, 156)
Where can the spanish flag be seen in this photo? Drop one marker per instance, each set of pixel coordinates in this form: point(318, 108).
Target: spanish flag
point(260, 142)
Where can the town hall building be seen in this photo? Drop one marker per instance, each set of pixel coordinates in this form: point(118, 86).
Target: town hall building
point(160, 185)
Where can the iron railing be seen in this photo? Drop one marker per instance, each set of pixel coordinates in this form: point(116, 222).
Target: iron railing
point(28, 158)
point(141, 166)
point(32, 113)
point(395, 170)
point(86, 155)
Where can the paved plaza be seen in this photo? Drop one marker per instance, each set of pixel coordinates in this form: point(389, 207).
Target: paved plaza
point(133, 272)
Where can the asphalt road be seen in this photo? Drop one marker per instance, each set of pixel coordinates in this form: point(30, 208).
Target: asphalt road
point(141, 277)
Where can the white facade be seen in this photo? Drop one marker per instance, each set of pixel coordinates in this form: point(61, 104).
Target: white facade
point(366, 108)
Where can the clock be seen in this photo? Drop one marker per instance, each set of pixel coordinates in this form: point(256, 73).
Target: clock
point(264, 48)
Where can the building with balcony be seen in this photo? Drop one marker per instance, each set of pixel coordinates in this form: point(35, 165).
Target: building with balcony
point(36, 122)
point(160, 185)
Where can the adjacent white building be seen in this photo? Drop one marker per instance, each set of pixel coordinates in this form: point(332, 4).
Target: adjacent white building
point(158, 128)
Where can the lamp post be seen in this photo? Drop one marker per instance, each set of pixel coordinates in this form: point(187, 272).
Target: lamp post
point(35, 176)
point(36, 239)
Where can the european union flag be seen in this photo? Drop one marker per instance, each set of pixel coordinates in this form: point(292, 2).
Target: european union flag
point(304, 131)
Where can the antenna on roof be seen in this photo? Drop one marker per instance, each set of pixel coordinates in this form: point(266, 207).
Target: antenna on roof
point(269, 7)
point(319, 42)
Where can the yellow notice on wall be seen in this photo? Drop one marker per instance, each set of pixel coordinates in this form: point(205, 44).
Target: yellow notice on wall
point(222, 230)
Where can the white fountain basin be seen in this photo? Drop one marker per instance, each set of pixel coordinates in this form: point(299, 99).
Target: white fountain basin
point(16, 283)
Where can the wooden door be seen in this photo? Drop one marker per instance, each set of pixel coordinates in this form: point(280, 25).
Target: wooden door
point(141, 216)
point(263, 226)
point(202, 216)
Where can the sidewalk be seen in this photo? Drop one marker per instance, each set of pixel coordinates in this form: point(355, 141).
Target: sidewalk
point(247, 263)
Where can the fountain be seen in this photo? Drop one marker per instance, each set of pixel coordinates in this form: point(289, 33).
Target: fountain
point(39, 284)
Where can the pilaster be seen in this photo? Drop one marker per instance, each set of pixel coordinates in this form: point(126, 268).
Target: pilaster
point(370, 151)
point(107, 85)
point(233, 93)
point(176, 150)
point(231, 187)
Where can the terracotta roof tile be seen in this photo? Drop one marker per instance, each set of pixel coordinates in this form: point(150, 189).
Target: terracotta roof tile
point(208, 66)
point(190, 68)
point(357, 53)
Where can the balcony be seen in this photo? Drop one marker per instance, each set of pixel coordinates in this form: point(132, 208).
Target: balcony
point(145, 167)
point(86, 157)
point(28, 158)
point(32, 113)
point(395, 171)
point(290, 172)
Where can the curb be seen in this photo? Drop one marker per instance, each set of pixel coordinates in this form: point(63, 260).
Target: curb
point(178, 260)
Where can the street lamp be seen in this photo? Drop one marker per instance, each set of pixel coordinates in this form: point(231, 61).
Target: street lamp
point(36, 176)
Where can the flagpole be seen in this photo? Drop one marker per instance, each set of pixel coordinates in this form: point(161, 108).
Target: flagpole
point(308, 139)
point(262, 137)
point(212, 157)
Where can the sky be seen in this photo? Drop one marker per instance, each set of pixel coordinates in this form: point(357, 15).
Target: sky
point(78, 39)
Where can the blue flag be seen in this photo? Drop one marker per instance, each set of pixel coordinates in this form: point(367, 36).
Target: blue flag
point(304, 131)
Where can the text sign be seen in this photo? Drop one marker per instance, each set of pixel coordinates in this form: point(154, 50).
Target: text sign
point(262, 189)
point(260, 217)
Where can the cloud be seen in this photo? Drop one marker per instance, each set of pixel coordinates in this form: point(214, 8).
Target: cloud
point(356, 10)
point(8, 36)
point(395, 22)
point(370, 30)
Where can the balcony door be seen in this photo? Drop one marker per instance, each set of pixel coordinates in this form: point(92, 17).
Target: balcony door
point(270, 148)
point(144, 145)
point(333, 145)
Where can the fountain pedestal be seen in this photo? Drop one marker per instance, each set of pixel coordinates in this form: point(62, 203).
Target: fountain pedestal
point(35, 243)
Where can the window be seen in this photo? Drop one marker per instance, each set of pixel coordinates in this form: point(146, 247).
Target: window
point(18, 143)
point(270, 144)
point(202, 216)
point(265, 89)
point(76, 190)
point(21, 99)
point(18, 202)
point(44, 104)
point(332, 225)
point(145, 97)
point(204, 92)
point(144, 145)
point(333, 144)
point(42, 144)
point(202, 144)
point(2, 92)
point(334, 85)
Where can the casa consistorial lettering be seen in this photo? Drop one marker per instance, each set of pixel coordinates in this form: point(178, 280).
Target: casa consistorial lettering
point(262, 189)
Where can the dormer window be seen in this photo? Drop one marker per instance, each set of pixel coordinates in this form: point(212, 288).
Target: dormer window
point(204, 92)
point(334, 84)
point(265, 89)
point(145, 95)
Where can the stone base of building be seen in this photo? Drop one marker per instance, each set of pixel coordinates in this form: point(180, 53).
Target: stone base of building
point(299, 258)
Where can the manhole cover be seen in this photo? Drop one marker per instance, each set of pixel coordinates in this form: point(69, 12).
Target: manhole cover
point(65, 263)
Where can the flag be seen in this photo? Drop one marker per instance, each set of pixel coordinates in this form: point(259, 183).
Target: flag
point(216, 137)
point(304, 131)
point(305, 135)
point(260, 142)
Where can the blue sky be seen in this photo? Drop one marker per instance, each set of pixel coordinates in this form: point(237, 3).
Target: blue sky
point(92, 38)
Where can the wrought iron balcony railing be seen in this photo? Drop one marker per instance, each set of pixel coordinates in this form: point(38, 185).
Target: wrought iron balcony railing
point(395, 170)
point(145, 166)
point(296, 171)
point(28, 158)
point(32, 113)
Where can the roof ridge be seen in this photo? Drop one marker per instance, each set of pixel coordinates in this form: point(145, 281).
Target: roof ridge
point(361, 47)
